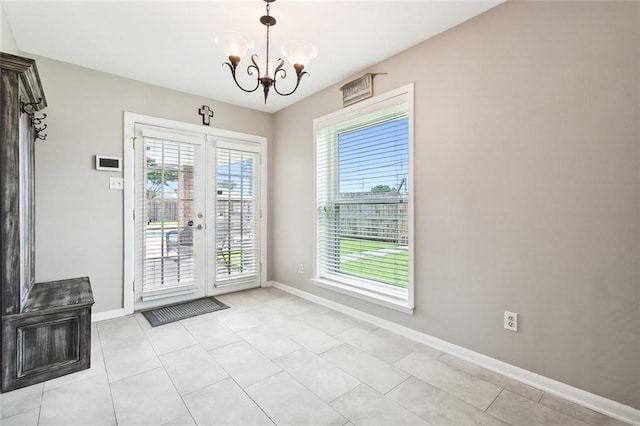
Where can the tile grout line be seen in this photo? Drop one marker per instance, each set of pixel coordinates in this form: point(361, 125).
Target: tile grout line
point(158, 355)
point(310, 390)
point(106, 373)
point(440, 389)
point(137, 374)
point(229, 376)
point(253, 400)
point(490, 379)
point(590, 422)
point(318, 355)
point(164, 368)
point(392, 364)
point(494, 400)
point(40, 406)
point(179, 394)
point(399, 384)
point(541, 396)
point(257, 350)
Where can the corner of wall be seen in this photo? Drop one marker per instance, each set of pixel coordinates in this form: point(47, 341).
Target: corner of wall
point(7, 40)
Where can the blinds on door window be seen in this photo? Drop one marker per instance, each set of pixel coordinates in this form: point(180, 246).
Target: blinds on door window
point(362, 195)
point(237, 216)
point(165, 215)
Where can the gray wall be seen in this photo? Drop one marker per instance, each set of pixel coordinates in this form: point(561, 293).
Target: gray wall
point(79, 223)
point(527, 189)
point(7, 41)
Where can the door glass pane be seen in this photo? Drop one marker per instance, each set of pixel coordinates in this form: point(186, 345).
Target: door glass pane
point(236, 217)
point(168, 208)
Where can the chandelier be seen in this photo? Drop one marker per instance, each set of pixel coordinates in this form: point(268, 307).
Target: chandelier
point(299, 53)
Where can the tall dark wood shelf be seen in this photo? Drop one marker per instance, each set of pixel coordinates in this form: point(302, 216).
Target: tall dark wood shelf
point(46, 327)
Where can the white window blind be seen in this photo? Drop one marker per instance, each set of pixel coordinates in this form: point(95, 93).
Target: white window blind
point(237, 257)
point(363, 200)
point(166, 205)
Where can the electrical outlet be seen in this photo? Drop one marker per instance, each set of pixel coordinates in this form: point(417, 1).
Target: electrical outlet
point(301, 268)
point(511, 321)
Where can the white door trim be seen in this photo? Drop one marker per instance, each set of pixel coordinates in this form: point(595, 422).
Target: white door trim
point(130, 120)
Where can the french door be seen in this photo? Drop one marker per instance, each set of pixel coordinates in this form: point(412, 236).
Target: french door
point(197, 216)
point(237, 217)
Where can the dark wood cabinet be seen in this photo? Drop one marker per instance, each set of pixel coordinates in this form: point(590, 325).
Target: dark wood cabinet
point(51, 336)
point(46, 327)
point(20, 91)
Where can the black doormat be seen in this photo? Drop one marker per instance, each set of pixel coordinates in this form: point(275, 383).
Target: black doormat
point(180, 311)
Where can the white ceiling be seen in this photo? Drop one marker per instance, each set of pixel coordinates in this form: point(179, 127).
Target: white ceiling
point(171, 44)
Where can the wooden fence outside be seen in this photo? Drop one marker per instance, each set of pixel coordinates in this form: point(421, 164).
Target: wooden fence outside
point(162, 210)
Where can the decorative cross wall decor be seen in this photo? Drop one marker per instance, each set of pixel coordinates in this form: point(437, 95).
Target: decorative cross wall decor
point(206, 114)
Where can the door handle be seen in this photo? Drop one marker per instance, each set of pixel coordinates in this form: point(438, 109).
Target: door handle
point(199, 226)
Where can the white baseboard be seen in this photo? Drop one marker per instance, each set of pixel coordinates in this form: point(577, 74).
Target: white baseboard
point(107, 315)
point(597, 403)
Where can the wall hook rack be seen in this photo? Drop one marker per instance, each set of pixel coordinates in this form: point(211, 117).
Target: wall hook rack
point(38, 120)
point(39, 134)
point(29, 108)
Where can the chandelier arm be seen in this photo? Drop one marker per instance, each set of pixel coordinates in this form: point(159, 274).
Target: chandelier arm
point(249, 71)
point(299, 77)
point(279, 70)
point(254, 66)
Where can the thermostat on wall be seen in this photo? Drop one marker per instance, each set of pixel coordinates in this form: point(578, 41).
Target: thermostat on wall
point(111, 164)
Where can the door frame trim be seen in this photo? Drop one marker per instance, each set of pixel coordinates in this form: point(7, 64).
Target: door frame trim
point(130, 121)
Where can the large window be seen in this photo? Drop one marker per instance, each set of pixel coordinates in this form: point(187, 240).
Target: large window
point(363, 196)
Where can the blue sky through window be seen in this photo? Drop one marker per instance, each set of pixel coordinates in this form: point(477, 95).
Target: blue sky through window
point(373, 156)
point(236, 175)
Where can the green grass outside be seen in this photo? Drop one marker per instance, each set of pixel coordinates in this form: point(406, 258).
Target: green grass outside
point(236, 259)
point(167, 224)
point(350, 246)
point(368, 267)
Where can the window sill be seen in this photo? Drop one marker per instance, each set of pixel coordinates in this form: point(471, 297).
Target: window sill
point(386, 300)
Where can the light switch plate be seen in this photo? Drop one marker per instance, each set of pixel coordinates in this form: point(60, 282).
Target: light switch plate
point(116, 183)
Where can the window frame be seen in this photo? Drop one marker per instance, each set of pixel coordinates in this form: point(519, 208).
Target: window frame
point(386, 295)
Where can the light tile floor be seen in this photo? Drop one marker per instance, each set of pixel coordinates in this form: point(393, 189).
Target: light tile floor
point(273, 358)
